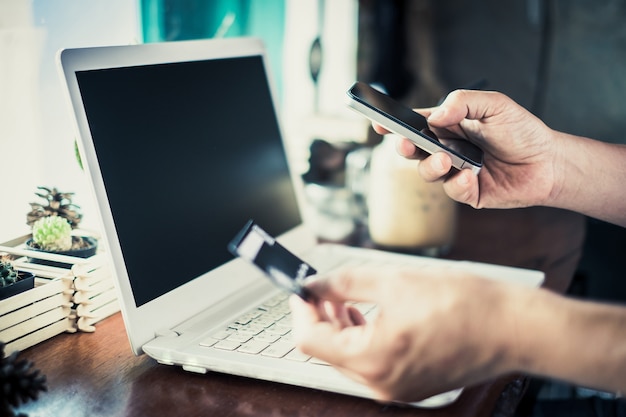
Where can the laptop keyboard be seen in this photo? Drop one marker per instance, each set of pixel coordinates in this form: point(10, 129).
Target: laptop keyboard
point(266, 331)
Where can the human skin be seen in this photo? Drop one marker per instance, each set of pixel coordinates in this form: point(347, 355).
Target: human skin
point(439, 329)
point(526, 162)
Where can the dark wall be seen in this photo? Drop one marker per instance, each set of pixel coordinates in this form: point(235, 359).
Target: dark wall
point(565, 60)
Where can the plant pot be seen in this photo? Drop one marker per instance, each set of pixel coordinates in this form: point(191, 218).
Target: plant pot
point(26, 282)
point(91, 246)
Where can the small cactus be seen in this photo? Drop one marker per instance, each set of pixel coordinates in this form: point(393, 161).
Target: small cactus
point(8, 274)
point(53, 233)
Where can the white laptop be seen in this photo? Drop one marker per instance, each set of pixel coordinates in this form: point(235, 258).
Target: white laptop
point(182, 145)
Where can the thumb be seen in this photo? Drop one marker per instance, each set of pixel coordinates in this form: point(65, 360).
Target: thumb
point(467, 104)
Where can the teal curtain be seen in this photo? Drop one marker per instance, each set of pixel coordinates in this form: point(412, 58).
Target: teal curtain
point(176, 20)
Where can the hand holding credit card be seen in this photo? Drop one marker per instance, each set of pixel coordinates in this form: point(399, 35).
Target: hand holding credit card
point(281, 266)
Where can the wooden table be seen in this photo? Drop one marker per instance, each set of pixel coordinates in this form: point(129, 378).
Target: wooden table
point(95, 374)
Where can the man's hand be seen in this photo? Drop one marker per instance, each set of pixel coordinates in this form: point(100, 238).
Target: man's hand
point(520, 151)
point(435, 329)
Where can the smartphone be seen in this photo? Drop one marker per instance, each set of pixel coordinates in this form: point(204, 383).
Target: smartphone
point(281, 266)
point(401, 120)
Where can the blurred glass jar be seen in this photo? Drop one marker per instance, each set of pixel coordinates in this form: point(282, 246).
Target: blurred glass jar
point(406, 212)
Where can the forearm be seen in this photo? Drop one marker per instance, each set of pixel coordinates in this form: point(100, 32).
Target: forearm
point(590, 178)
point(576, 341)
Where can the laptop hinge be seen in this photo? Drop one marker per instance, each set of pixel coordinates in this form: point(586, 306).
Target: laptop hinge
point(166, 333)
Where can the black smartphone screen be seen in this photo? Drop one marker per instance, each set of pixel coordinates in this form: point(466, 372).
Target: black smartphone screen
point(284, 268)
point(393, 110)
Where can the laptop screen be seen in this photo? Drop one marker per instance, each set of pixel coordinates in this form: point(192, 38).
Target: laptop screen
point(188, 153)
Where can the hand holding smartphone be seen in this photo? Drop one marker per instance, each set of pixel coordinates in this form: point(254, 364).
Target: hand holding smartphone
point(403, 121)
point(281, 266)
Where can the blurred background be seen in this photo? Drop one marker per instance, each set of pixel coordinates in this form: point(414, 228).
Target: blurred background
point(564, 60)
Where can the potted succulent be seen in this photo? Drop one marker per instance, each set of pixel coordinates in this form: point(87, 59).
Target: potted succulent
point(56, 204)
point(12, 281)
point(53, 228)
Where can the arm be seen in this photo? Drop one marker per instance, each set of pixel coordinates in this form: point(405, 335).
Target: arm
point(581, 342)
point(526, 162)
point(442, 329)
point(591, 178)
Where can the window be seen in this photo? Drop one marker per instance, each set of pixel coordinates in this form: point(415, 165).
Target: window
point(176, 20)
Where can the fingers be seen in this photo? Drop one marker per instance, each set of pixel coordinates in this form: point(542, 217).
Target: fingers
point(431, 167)
point(379, 129)
point(356, 317)
point(342, 327)
point(347, 284)
point(407, 149)
point(435, 167)
point(310, 327)
point(459, 105)
point(463, 187)
point(340, 315)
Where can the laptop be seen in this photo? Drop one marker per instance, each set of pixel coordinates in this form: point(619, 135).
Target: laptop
point(182, 145)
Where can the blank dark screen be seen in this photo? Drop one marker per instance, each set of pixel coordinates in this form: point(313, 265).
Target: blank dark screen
point(385, 105)
point(188, 153)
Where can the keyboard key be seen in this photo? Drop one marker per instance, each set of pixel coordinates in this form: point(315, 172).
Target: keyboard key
point(277, 329)
point(264, 321)
point(273, 315)
point(208, 342)
point(296, 355)
point(278, 350)
point(318, 362)
point(221, 335)
point(227, 345)
point(239, 337)
point(248, 317)
point(285, 321)
point(243, 320)
point(253, 347)
point(274, 301)
point(235, 326)
point(267, 337)
point(251, 329)
point(266, 330)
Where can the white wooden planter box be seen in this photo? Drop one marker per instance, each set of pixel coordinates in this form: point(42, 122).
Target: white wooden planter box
point(95, 297)
point(37, 314)
point(63, 300)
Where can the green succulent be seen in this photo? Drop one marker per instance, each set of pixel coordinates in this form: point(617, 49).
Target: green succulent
point(8, 274)
point(53, 233)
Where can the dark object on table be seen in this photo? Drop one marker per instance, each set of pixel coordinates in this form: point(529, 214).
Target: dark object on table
point(327, 163)
point(19, 383)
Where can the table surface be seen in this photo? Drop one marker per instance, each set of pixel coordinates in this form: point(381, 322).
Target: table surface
point(96, 374)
